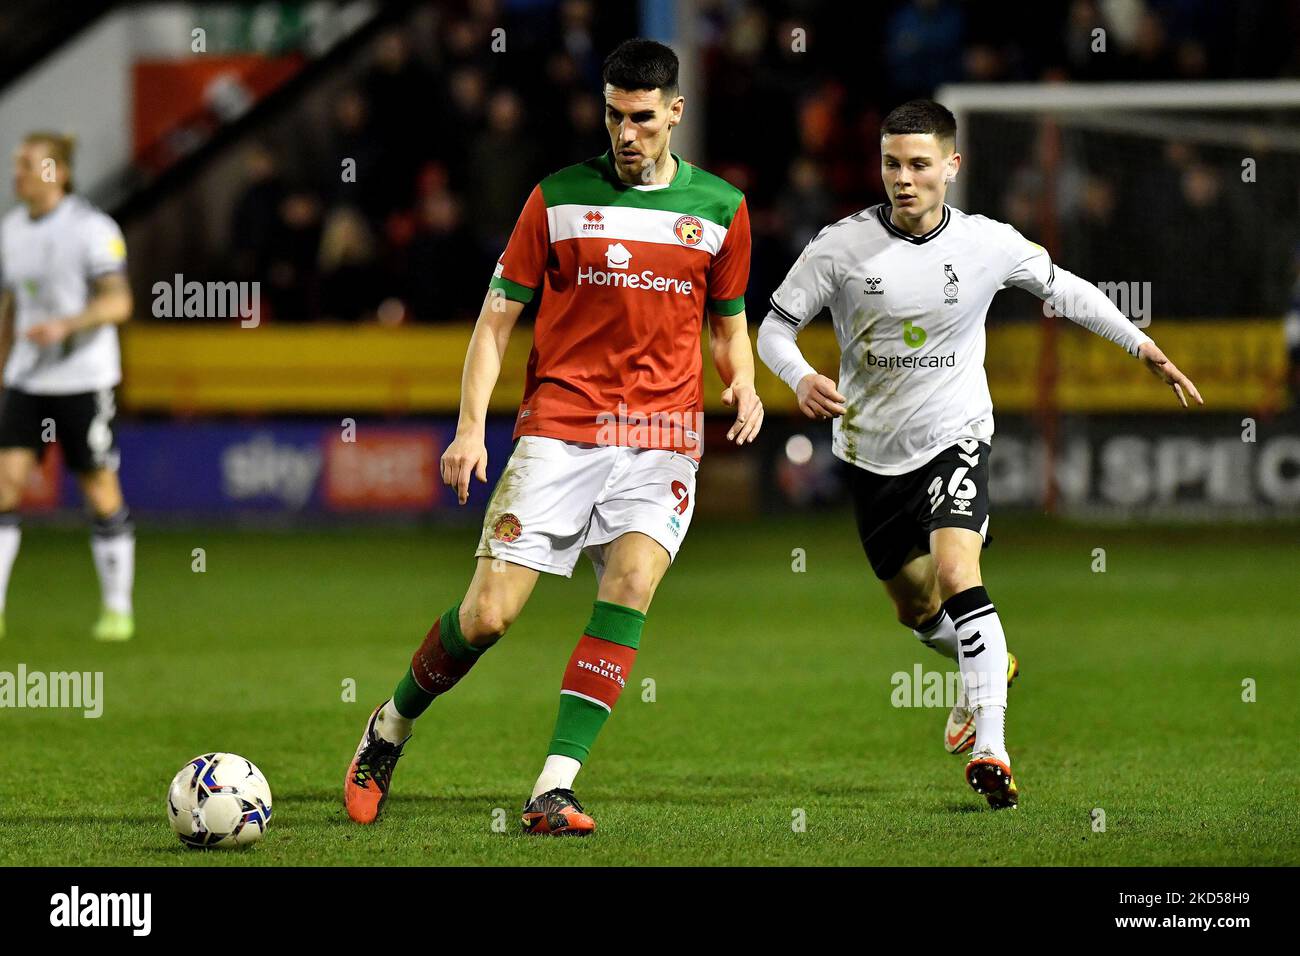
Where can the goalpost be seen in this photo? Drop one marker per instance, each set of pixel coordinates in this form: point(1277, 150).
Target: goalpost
point(1181, 198)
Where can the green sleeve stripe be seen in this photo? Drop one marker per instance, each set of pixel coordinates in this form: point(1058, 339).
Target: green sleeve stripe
point(727, 306)
point(616, 624)
point(512, 290)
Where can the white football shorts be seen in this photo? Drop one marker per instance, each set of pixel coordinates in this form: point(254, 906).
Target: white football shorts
point(556, 499)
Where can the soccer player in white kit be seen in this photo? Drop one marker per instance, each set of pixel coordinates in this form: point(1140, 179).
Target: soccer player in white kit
point(908, 284)
point(64, 292)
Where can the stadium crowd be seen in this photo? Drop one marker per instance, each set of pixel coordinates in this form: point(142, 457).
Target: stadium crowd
point(448, 138)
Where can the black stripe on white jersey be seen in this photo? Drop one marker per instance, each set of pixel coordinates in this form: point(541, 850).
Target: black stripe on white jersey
point(783, 314)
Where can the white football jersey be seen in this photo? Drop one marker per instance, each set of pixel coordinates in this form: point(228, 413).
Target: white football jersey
point(48, 264)
point(909, 315)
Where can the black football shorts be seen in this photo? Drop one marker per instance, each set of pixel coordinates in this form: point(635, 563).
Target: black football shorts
point(896, 513)
point(82, 423)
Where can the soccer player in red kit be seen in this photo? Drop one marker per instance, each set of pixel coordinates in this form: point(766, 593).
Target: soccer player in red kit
point(632, 248)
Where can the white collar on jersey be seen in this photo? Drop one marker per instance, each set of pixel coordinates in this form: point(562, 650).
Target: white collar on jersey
point(883, 211)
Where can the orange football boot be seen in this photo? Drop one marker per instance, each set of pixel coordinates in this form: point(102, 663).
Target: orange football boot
point(557, 813)
point(366, 788)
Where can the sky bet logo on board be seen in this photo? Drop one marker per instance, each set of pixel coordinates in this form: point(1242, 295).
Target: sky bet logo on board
point(617, 273)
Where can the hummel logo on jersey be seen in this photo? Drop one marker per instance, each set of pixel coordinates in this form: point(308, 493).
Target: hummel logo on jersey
point(617, 256)
point(950, 288)
point(873, 286)
point(594, 221)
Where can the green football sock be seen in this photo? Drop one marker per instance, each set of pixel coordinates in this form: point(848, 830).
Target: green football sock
point(597, 673)
point(439, 663)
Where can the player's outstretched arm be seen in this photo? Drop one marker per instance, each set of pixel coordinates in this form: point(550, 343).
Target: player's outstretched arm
point(1168, 372)
point(734, 359)
point(1084, 304)
point(467, 454)
point(817, 395)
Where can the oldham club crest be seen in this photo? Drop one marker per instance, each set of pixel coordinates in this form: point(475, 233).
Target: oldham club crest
point(688, 230)
point(507, 528)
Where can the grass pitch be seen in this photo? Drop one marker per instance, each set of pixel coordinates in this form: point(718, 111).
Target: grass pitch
point(772, 703)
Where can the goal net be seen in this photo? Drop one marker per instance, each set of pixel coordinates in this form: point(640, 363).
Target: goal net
point(1181, 201)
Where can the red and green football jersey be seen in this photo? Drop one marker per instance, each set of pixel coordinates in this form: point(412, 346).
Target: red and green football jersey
point(628, 273)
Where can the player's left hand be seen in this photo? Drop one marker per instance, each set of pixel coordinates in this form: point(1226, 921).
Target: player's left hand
point(749, 413)
point(50, 333)
point(1168, 372)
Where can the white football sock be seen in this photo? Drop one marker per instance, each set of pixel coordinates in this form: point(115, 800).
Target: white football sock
point(989, 721)
point(115, 563)
point(391, 725)
point(983, 659)
point(938, 633)
point(10, 536)
point(558, 772)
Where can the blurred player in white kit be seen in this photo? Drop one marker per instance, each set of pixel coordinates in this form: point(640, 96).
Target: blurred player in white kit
point(63, 292)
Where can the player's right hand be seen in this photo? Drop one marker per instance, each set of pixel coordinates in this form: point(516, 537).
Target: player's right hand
point(818, 398)
point(466, 455)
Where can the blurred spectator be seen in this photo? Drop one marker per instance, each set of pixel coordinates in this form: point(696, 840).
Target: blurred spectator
point(576, 28)
point(350, 140)
point(292, 269)
point(1195, 240)
point(805, 206)
point(504, 167)
point(923, 46)
point(1092, 247)
point(398, 91)
point(446, 276)
point(583, 135)
point(466, 115)
point(253, 219)
point(1152, 58)
point(351, 285)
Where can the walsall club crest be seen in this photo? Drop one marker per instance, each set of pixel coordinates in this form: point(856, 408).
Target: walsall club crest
point(688, 230)
point(507, 528)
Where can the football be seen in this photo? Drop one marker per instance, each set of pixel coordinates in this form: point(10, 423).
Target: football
point(219, 800)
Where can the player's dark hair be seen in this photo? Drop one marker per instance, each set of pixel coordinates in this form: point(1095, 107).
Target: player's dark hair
point(922, 116)
point(641, 65)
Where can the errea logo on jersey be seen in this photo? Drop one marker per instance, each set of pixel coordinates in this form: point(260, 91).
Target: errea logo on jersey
point(617, 273)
